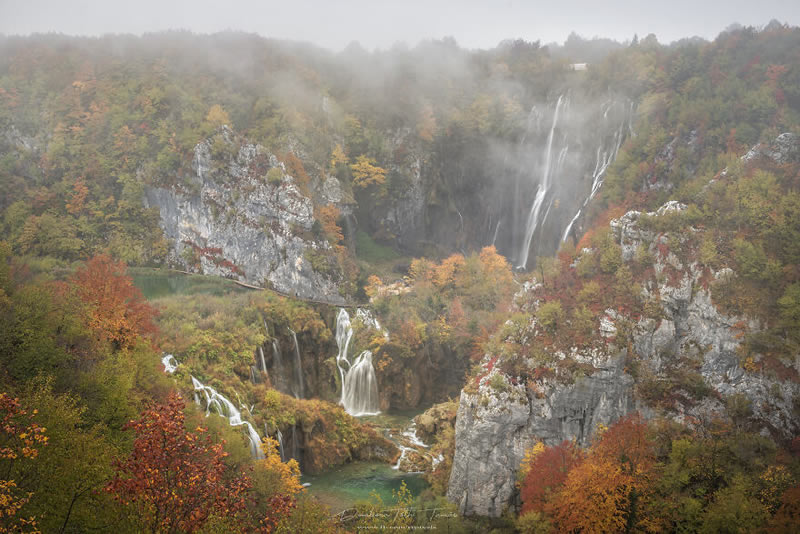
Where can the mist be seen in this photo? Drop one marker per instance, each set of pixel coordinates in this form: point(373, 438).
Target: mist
point(334, 25)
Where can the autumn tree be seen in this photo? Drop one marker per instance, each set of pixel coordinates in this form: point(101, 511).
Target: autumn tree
point(544, 470)
point(217, 116)
point(605, 492)
point(118, 313)
point(174, 480)
point(19, 439)
point(366, 173)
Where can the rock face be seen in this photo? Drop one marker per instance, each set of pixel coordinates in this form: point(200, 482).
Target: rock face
point(244, 218)
point(687, 336)
point(494, 429)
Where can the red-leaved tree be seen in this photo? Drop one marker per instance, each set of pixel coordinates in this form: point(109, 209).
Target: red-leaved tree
point(118, 312)
point(173, 479)
point(547, 473)
point(607, 491)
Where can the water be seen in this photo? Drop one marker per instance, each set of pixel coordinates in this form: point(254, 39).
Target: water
point(225, 408)
point(342, 487)
point(360, 387)
point(155, 284)
point(278, 378)
point(279, 437)
point(541, 193)
point(299, 389)
point(408, 442)
point(170, 363)
point(602, 162)
point(359, 383)
point(263, 363)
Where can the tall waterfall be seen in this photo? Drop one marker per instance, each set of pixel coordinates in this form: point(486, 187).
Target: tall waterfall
point(543, 189)
point(226, 409)
point(605, 157)
point(299, 389)
point(359, 383)
point(548, 175)
point(278, 375)
point(263, 363)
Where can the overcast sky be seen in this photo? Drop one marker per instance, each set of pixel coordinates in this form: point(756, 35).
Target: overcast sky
point(381, 23)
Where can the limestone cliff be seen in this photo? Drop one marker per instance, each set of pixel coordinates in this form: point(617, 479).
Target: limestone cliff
point(243, 217)
point(679, 359)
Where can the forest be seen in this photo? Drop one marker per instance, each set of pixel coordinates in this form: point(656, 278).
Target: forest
point(251, 285)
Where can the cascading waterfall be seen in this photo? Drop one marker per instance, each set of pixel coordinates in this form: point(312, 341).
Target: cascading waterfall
point(279, 437)
point(359, 383)
point(225, 408)
point(170, 363)
point(602, 162)
point(263, 363)
point(279, 378)
point(299, 389)
point(409, 437)
point(541, 192)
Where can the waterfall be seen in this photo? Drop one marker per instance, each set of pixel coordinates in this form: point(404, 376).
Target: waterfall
point(360, 390)
point(225, 408)
point(408, 437)
point(170, 363)
point(277, 365)
point(359, 383)
point(541, 192)
point(253, 378)
point(279, 437)
point(263, 363)
point(602, 162)
point(298, 369)
point(295, 454)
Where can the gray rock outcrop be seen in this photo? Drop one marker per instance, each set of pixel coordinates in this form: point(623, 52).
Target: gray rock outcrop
point(689, 334)
point(238, 222)
point(495, 428)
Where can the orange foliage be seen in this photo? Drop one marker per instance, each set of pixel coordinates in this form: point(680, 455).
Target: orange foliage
point(426, 124)
point(327, 216)
point(603, 493)
point(445, 273)
point(594, 499)
point(295, 169)
point(119, 313)
point(19, 438)
point(77, 200)
point(787, 518)
point(546, 473)
point(174, 479)
point(374, 284)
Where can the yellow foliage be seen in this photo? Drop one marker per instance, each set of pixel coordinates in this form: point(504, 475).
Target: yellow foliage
point(338, 156)
point(421, 270)
point(373, 285)
point(367, 173)
point(527, 460)
point(217, 116)
point(445, 273)
point(289, 472)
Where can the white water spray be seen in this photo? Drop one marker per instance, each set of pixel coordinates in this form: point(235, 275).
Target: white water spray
point(541, 192)
point(359, 383)
point(299, 390)
point(601, 165)
point(170, 363)
point(225, 408)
